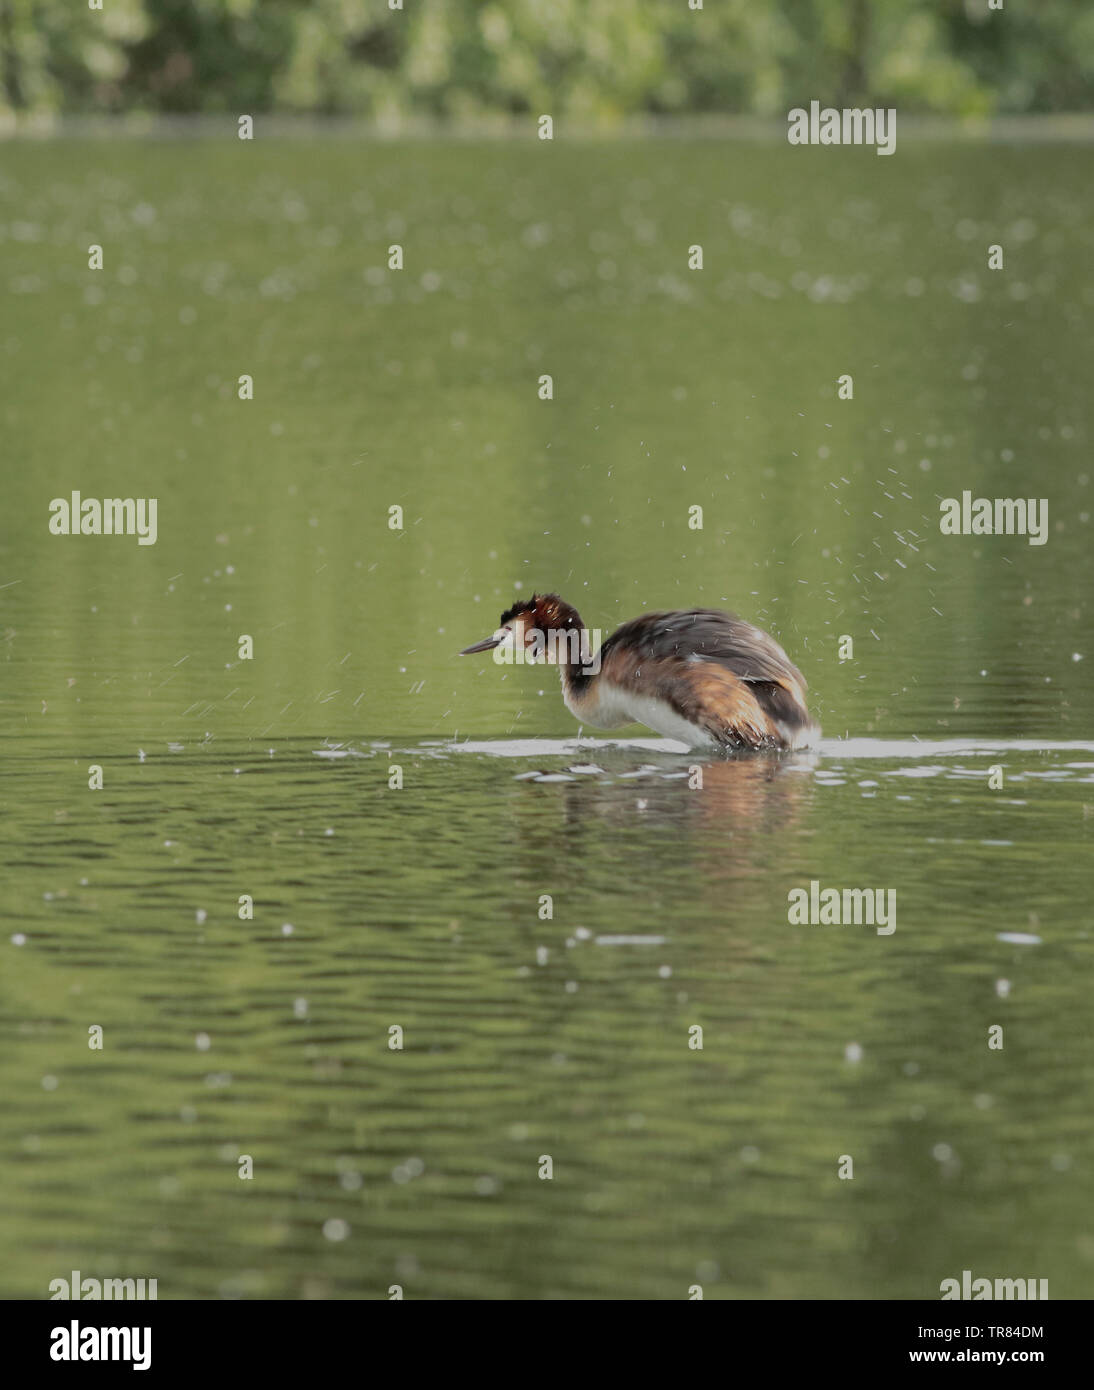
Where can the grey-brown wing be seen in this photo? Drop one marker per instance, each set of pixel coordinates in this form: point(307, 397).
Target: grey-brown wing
point(710, 635)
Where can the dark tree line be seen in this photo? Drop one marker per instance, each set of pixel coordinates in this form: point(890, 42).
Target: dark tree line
point(593, 60)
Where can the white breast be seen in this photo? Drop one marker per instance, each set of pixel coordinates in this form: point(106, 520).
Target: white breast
point(614, 707)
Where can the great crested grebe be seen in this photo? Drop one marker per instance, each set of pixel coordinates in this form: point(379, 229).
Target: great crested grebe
point(697, 675)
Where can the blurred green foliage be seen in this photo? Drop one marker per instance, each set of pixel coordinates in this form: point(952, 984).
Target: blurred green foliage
point(586, 60)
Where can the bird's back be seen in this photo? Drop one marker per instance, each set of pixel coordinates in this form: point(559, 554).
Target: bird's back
point(711, 635)
point(715, 670)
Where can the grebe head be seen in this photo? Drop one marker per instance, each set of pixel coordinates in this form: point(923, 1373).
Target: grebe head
point(528, 627)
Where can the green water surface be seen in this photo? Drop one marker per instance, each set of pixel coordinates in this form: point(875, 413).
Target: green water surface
point(420, 907)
